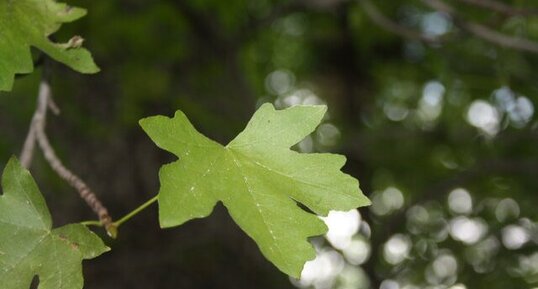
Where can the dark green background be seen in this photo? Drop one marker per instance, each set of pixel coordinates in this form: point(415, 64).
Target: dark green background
point(213, 60)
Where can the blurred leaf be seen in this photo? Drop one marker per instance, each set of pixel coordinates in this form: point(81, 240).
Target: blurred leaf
point(28, 245)
point(25, 23)
point(258, 178)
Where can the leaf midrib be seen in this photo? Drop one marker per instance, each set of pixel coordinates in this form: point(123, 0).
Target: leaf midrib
point(265, 223)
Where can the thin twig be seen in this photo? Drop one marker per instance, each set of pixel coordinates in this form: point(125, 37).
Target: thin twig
point(27, 153)
point(125, 218)
point(386, 23)
point(502, 8)
point(37, 133)
point(482, 31)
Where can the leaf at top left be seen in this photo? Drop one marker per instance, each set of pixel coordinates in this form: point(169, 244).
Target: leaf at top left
point(26, 23)
point(29, 246)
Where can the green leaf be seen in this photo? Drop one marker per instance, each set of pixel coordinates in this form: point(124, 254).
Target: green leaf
point(28, 244)
point(258, 178)
point(25, 23)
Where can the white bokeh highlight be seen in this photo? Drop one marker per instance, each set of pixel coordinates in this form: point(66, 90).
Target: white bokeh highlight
point(397, 249)
point(342, 226)
point(467, 230)
point(460, 201)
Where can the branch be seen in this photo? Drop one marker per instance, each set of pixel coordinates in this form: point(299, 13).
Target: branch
point(502, 7)
point(37, 134)
point(482, 31)
point(40, 114)
point(27, 153)
point(384, 22)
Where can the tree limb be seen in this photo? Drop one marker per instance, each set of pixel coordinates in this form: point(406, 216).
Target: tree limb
point(502, 8)
point(482, 31)
point(386, 23)
point(37, 134)
point(27, 153)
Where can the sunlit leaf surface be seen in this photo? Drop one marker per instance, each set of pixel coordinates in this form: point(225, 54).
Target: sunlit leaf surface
point(258, 178)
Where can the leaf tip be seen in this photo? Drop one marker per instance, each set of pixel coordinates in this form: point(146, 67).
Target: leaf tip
point(7, 84)
point(365, 201)
point(296, 274)
point(92, 67)
point(144, 122)
point(267, 105)
point(13, 165)
point(13, 161)
point(321, 110)
point(71, 13)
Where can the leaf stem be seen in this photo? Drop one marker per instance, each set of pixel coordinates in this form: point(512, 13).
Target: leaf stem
point(135, 212)
point(112, 230)
point(92, 223)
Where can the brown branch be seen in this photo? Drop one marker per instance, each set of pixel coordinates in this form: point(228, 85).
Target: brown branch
point(37, 134)
point(482, 31)
point(502, 8)
point(386, 23)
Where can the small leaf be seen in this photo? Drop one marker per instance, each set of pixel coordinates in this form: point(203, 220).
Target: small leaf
point(28, 244)
point(25, 23)
point(258, 178)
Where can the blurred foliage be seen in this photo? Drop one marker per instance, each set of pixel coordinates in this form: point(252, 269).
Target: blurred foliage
point(443, 137)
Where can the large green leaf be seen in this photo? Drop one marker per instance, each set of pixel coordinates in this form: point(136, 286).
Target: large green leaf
point(258, 178)
point(28, 245)
point(25, 23)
